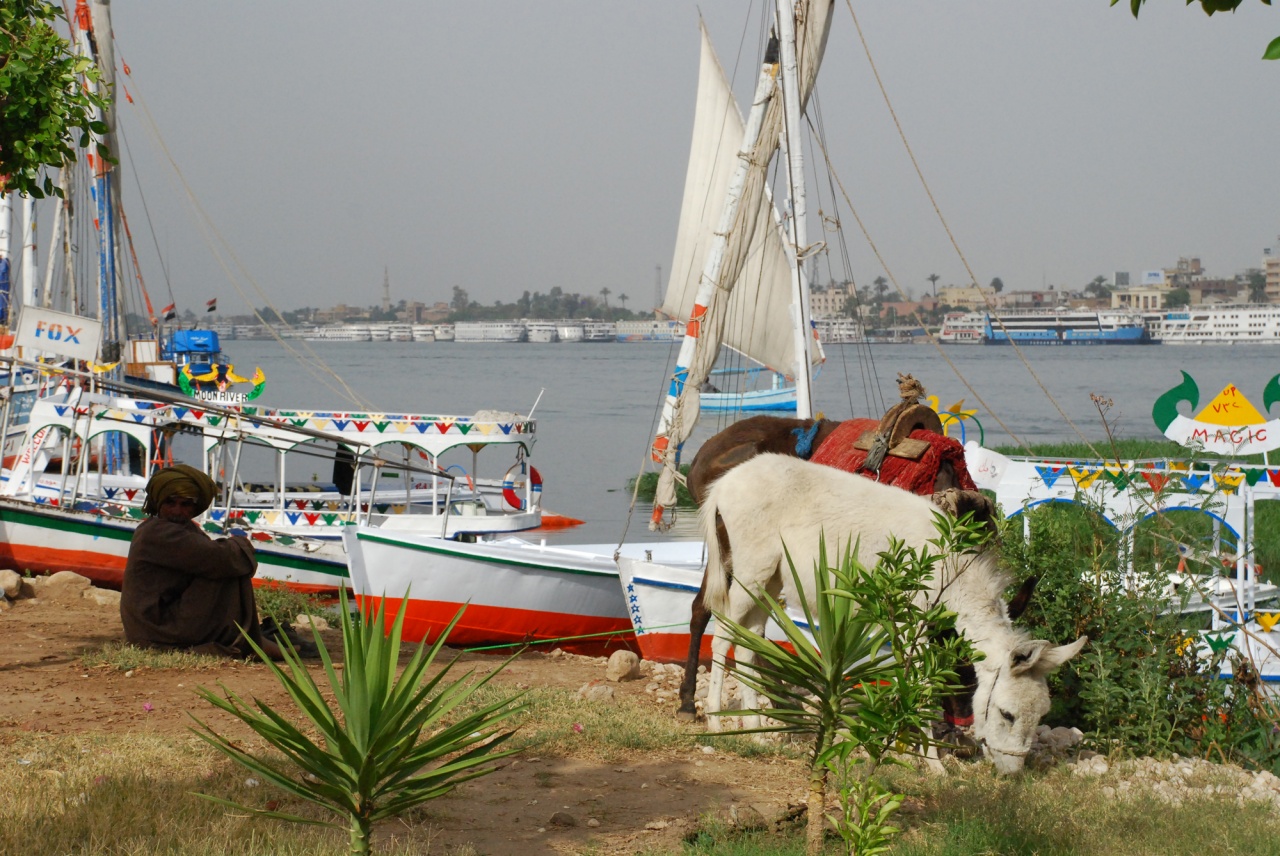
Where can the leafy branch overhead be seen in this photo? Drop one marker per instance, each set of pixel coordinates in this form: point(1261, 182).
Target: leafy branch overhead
point(45, 108)
point(1211, 6)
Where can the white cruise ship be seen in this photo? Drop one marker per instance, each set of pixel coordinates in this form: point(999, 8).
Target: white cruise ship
point(443, 332)
point(599, 331)
point(423, 332)
point(963, 328)
point(651, 330)
point(570, 331)
point(542, 331)
point(1222, 325)
point(489, 331)
point(346, 333)
point(838, 330)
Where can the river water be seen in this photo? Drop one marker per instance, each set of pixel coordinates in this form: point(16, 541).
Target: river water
point(597, 403)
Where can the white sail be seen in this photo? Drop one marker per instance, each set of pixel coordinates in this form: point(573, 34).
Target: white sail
point(738, 233)
point(758, 320)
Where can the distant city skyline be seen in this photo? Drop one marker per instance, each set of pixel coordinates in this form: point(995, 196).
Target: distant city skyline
point(509, 147)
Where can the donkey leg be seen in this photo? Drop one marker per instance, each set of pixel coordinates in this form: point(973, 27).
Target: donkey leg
point(715, 686)
point(701, 616)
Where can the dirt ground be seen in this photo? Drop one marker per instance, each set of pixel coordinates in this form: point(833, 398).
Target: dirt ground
point(647, 803)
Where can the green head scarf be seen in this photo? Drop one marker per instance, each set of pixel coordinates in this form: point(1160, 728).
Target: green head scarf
point(179, 480)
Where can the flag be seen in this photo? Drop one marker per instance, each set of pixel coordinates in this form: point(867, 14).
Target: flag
point(169, 312)
point(213, 305)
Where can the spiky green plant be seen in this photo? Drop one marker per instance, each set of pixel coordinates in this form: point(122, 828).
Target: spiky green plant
point(871, 678)
point(387, 742)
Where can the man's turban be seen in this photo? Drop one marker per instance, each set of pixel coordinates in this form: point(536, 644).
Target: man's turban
point(180, 480)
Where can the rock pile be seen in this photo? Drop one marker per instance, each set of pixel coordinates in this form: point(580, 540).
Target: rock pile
point(61, 586)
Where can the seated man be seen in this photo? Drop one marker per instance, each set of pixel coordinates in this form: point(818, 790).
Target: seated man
point(183, 589)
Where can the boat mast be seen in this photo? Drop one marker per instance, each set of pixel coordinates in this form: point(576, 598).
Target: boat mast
point(29, 265)
point(786, 11)
point(663, 451)
point(96, 39)
point(6, 222)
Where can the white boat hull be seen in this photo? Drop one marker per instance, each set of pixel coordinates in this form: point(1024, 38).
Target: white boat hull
point(516, 592)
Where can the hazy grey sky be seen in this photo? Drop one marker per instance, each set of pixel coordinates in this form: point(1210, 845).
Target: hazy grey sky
point(505, 146)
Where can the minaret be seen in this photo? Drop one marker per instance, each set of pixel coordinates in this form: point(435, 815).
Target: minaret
point(386, 291)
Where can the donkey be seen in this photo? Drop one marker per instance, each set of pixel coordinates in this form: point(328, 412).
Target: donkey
point(772, 500)
point(758, 435)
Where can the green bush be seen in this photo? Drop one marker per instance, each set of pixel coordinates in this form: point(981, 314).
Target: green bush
point(1140, 687)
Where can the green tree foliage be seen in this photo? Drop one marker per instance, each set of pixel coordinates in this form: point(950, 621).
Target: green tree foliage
point(1177, 297)
point(1098, 287)
point(1257, 286)
point(44, 108)
point(1211, 6)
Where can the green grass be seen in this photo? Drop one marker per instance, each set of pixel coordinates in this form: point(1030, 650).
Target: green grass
point(124, 657)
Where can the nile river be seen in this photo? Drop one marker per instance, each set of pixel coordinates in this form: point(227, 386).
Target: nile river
point(599, 402)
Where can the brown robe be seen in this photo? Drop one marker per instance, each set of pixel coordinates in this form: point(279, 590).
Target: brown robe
point(183, 589)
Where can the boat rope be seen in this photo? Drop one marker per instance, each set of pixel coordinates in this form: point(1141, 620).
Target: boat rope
point(963, 260)
point(606, 633)
point(223, 252)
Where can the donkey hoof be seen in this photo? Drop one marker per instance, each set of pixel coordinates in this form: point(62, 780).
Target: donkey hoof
point(683, 715)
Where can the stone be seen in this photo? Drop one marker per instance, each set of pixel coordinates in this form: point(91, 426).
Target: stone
point(63, 585)
point(563, 818)
point(592, 822)
point(10, 583)
point(623, 666)
point(595, 691)
point(304, 623)
point(102, 597)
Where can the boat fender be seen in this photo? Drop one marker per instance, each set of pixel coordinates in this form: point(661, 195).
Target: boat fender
point(513, 482)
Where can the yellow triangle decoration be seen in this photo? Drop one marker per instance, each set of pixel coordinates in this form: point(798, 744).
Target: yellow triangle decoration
point(1083, 476)
point(1267, 620)
point(1230, 407)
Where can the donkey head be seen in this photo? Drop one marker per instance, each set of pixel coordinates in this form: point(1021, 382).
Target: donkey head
point(1013, 697)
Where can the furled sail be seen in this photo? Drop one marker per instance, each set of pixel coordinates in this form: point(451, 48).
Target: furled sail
point(737, 224)
point(759, 305)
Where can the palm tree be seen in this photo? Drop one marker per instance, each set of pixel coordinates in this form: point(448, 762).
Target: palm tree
point(933, 280)
point(604, 293)
point(622, 298)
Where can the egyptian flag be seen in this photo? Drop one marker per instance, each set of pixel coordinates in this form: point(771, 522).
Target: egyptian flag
point(212, 305)
point(169, 312)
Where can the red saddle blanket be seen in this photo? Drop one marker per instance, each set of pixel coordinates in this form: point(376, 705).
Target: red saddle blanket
point(916, 476)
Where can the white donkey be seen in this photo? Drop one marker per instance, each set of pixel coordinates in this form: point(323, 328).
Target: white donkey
point(772, 500)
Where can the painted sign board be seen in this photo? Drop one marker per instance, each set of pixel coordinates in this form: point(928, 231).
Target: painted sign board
point(1228, 425)
point(59, 333)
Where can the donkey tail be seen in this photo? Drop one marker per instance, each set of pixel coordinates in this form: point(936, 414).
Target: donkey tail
point(716, 577)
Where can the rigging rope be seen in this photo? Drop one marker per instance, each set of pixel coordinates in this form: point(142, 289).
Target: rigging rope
point(941, 219)
point(312, 361)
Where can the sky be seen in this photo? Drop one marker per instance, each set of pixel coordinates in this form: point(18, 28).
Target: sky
point(508, 146)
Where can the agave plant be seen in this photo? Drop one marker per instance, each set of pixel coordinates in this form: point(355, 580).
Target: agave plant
point(387, 743)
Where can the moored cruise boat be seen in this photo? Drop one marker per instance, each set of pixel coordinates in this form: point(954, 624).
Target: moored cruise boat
point(379, 333)
point(599, 331)
point(346, 333)
point(489, 331)
point(1222, 325)
point(423, 332)
point(400, 332)
point(651, 330)
point(443, 332)
point(963, 328)
point(836, 330)
point(570, 331)
point(542, 331)
point(1064, 326)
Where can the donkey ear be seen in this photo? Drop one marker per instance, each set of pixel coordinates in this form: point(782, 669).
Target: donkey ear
point(1022, 599)
point(1040, 657)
